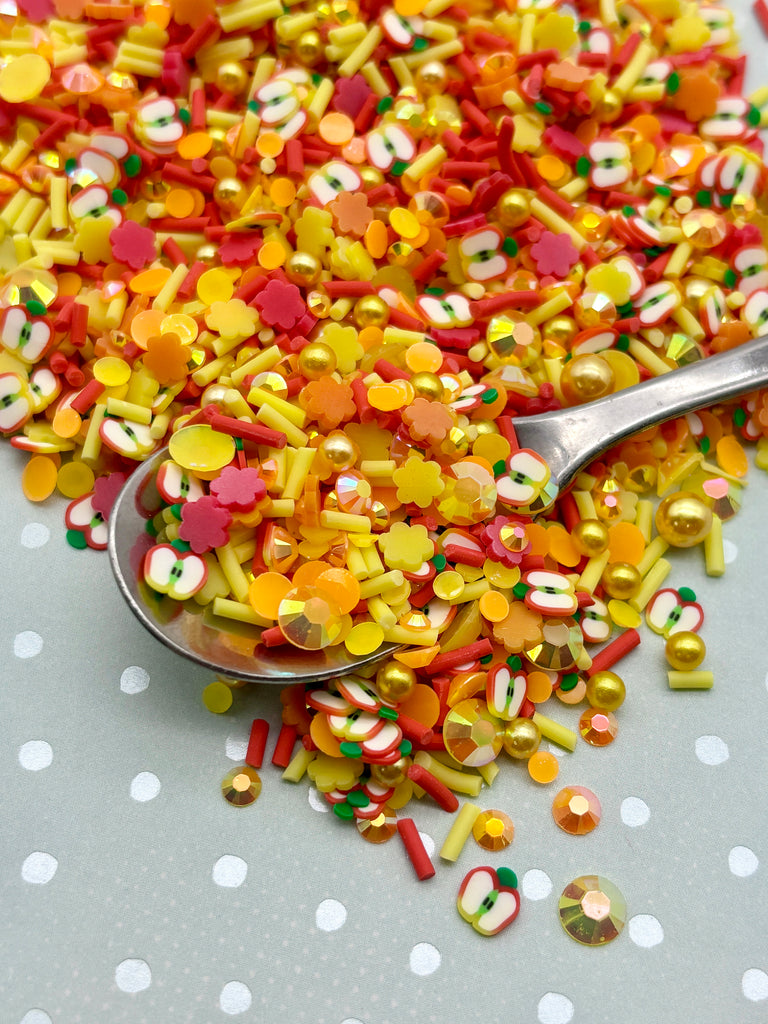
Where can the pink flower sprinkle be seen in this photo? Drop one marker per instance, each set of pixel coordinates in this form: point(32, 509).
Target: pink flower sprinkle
point(280, 304)
point(239, 489)
point(239, 249)
point(554, 254)
point(133, 244)
point(204, 524)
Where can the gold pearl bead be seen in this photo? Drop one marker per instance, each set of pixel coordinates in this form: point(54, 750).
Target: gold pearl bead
point(685, 650)
point(431, 78)
point(230, 193)
point(483, 427)
point(621, 580)
point(522, 738)
point(316, 360)
point(231, 78)
point(309, 48)
point(513, 209)
point(207, 254)
point(371, 176)
point(609, 106)
point(391, 774)
point(427, 385)
point(590, 537)
point(585, 378)
point(302, 268)
point(370, 311)
point(682, 519)
point(395, 681)
point(606, 690)
point(339, 451)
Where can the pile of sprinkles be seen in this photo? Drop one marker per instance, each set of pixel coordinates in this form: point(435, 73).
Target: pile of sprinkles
point(328, 252)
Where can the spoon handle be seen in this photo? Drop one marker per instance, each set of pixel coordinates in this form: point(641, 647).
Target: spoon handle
point(571, 438)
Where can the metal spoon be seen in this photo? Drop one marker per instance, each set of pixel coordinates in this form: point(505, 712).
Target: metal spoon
point(569, 440)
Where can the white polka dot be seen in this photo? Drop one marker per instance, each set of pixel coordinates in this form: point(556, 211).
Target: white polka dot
point(236, 747)
point(35, 535)
point(742, 861)
point(133, 975)
point(35, 1017)
point(134, 679)
point(317, 801)
point(39, 868)
point(235, 998)
point(754, 984)
point(711, 750)
point(424, 959)
point(27, 644)
point(429, 843)
point(229, 871)
point(537, 885)
point(330, 915)
point(555, 1008)
point(35, 755)
point(730, 551)
point(634, 811)
point(351, 1020)
point(145, 786)
point(645, 930)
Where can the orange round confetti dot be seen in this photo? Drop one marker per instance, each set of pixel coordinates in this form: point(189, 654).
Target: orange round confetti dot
point(75, 479)
point(408, 8)
point(538, 687)
point(377, 239)
point(111, 371)
point(423, 357)
point(336, 128)
point(179, 203)
point(38, 479)
point(561, 546)
point(626, 543)
point(307, 573)
point(491, 447)
point(269, 144)
point(537, 535)
point(423, 705)
point(354, 151)
point(551, 167)
point(282, 191)
point(543, 767)
point(271, 255)
point(150, 282)
point(146, 325)
point(323, 738)
point(574, 696)
point(266, 592)
point(67, 422)
point(194, 145)
point(223, 167)
point(388, 397)
point(494, 606)
point(370, 336)
point(215, 286)
point(731, 457)
point(342, 586)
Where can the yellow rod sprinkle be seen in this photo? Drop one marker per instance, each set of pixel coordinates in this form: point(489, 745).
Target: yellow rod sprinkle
point(459, 833)
point(555, 732)
point(696, 680)
point(714, 556)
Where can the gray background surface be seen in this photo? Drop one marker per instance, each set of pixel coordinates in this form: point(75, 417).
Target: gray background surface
point(134, 880)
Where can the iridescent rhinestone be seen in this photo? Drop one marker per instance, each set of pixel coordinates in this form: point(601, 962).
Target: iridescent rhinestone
point(592, 910)
point(25, 285)
point(704, 228)
point(514, 538)
point(593, 308)
point(576, 810)
point(309, 618)
point(560, 647)
point(378, 829)
point(469, 495)
point(353, 492)
point(598, 727)
point(241, 786)
point(472, 735)
point(493, 830)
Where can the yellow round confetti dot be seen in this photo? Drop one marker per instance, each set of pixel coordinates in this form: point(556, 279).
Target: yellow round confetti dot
point(404, 222)
point(364, 638)
point(24, 78)
point(448, 585)
point(217, 697)
point(336, 128)
point(271, 255)
point(215, 286)
point(180, 203)
point(494, 606)
point(624, 615)
point(282, 191)
point(543, 767)
point(194, 145)
point(201, 448)
point(269, 144)
point(38, 479)
point(75, 479)
point(499, 575)
point(183, 326)
point(111, 371)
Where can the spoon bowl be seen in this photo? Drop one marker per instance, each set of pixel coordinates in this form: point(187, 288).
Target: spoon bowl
point(569, 439)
